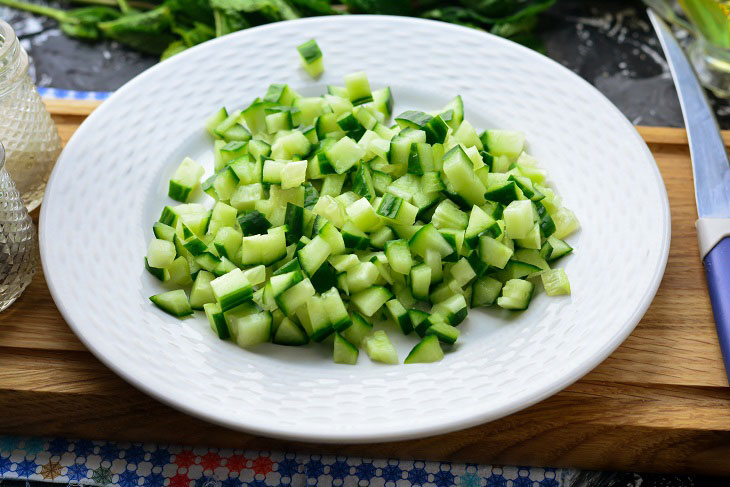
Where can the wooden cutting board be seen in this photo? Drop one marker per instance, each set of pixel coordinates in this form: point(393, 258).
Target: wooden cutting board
point(661, 402)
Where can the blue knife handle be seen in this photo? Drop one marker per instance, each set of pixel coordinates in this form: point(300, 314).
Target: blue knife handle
point(717, 269)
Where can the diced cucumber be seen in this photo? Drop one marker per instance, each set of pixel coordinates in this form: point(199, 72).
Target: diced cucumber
point(420, 279)
point(463, 219)
point(462, 272)
point(344, 351)
point(448, 215)
point(396, 210)
point(294, 297)
point(371, 300)
point(358, 88)
point(480, 223)
point(336, 310)
point(202, 292)
point(504, 142)
point(186, 178)
point(379, 348)
point(363, 216)
point(554, 248)
point(359, 329)
point(344, 154)
point(460, 172)
point(453, 113)
point(264, 249)
point(444, 332)
point(516, 294)
point(290, 333)
point(293, 174)
point(362, 276)
point(428, 237)
point(217, 320)
point(173, 302)
point(518, 219)
point(160, 253)
point(216, 119)
point(311, 58)
point(485, 291)
point(452, 310)
point(314, 254)
point(555, 282)
point(427, 351)
point(383, 101)
point(319, 319)
point(253, 329)
point(399, 256)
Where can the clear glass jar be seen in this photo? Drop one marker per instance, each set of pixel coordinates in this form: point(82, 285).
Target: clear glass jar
point(31, 140)
point(712, 64)
point(18, 243)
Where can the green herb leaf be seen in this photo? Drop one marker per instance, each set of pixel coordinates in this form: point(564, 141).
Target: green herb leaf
point(147, 32)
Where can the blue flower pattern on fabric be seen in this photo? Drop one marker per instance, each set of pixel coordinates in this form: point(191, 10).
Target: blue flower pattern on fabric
point(154, 480)
point(365, 471)
point(83, 448)
point(5, 465)
point(58, 446)
point(392, 473)
point(418, 476)
point(77, 471)
point(288, 467)
point(109, 452)
point(134, 455)
point(443, 478)
point(496, 480)
point(128, 478)
point(160, 457)
point(282, 469)
point(339, 470)
point(232, 482)
point(314, 468)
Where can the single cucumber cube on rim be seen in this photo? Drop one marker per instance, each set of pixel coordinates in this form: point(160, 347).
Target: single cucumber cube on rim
point(311, 58)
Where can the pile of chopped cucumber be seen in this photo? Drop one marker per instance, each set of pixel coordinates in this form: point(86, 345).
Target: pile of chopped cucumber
point(328, 220)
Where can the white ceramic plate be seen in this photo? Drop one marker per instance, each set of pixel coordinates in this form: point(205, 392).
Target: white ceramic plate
point(110, 184)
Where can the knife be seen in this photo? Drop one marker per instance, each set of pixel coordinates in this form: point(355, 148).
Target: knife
point(711, 172)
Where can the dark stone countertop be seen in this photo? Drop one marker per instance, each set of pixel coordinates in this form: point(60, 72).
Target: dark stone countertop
point(609, 43)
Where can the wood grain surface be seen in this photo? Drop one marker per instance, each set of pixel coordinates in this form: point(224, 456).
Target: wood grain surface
point(660, 402)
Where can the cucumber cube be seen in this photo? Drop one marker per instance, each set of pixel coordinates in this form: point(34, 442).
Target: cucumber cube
point(426, 351)
point(518, 219)
point(380, 349)
point(160, 253)
point(344, 352)
point(555, 282)
point(232, 289)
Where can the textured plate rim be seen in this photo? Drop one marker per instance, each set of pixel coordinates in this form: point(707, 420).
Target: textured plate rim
point(270, 430)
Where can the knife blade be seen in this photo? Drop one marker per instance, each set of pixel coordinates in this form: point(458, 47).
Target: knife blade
point(711, 171)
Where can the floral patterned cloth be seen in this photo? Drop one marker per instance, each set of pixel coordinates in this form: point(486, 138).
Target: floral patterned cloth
point(105, 463)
